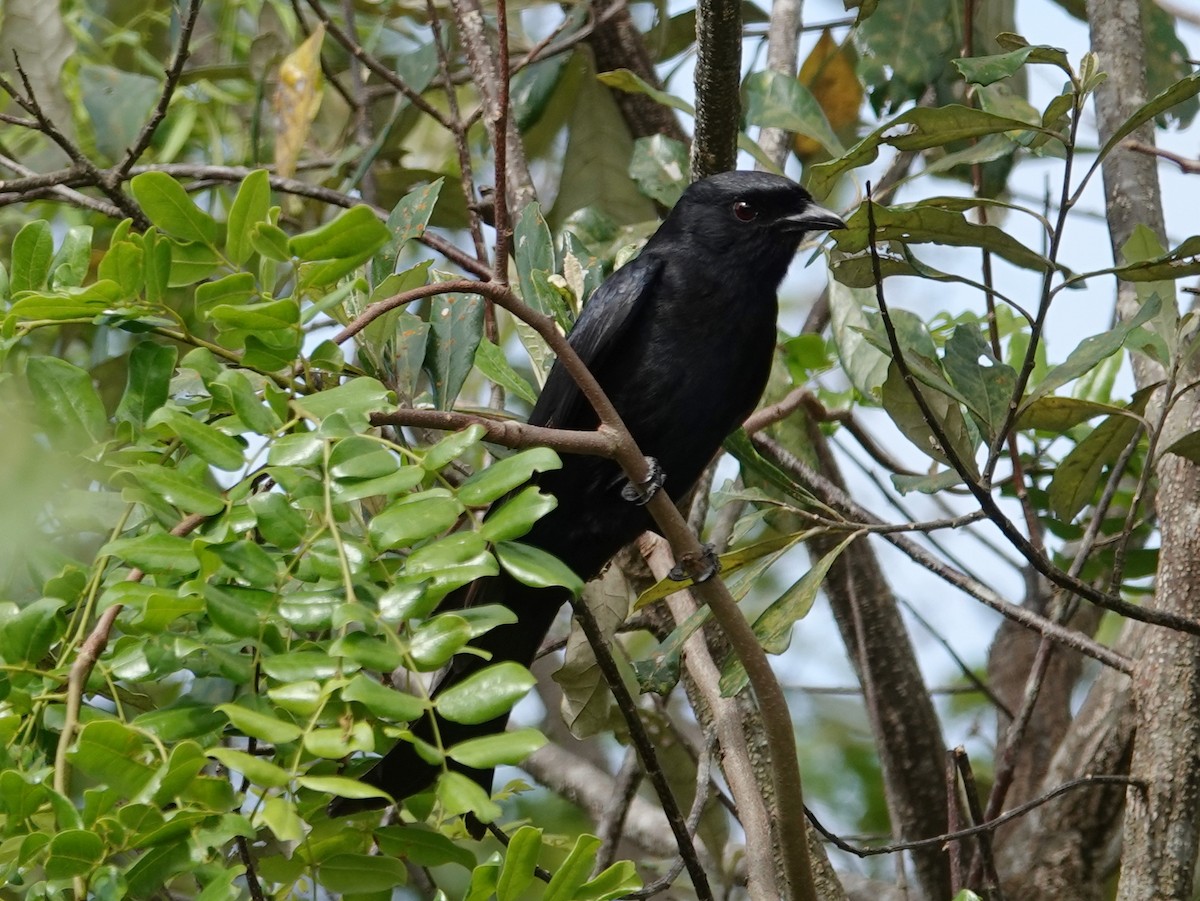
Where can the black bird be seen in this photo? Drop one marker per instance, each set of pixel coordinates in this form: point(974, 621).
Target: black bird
point(681, 339)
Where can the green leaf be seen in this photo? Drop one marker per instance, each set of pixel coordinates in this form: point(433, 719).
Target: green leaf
point(256, 317)
point(359, 457)
point(494, 365)
point(422, 846)
point(504, 475)
point(354, 234)
point(987, 386)
point(775, 100)
point(864, 364)
point(258, 770)
point(407, 220)
point(413, 518)
point(436, 641)
point(986, 70)
point(455, 330)
point(452, 447)
point(1176, 94)
point(516, 516)
point(169, 207)
point(70, 265)
point(661, 168)
point(1091, 351)
point(187, 494)
point(384, 701)
point(926, 127)
point(271, 241)
point(356, 400)
point(924, 224)
point(906, 413)
point(250, 207)
point(262, 726)
point(459, 794)
point(573, 872)
point(615, 882)
point(116, 755)
point(357, 874)
point(520, 861)
point(32, 251)
point(341, 786)
point(773, 628)
point(124, 264)
point(375, 653)
point(66, 402)
point(486, 694)
point(533, 247)
point(30, 632)
point(214, 447)
point(247, 405)
point(151, 367)
point(534, 567)
point(1059, 415)
point(336, 742)
point(234, 289)
point(73, 852)
point(502, 749)
point(155, 553)
point(1078, 475)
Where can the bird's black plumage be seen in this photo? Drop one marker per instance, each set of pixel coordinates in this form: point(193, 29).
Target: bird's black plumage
point(681, 339)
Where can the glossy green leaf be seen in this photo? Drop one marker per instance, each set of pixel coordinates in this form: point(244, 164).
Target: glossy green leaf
point(73, 852)
point(73, 259)
point(352, 234)
point(986, 383)
point(356, 399)
point(486, 694)
point(384, 701)
point(247, 405)
point(336, 742)
point(66, 402)
point(414, 518)
point(573, 872)
point(504, 475)
point(615, 882)
point(115, 755)
point(29, 632)
point(1180, 92)
point(371, 651)
point(435, 642)
point(256, 724)
point(234, 289)
point(249, 208)
point(406, 221)
point(520, 861)
point(901, 405)
point(452, 447)
point(213, 446)
point(492, 362)
point(533, 566)
point(252, 317)
point(170, 208)
point(187, 494)
point(155, 553)
point(151, 367)
point(124, 264)
point(32, 251)
point(257, 769)
point(423, 846)
point(501, 749)
point(455, 330)
point(516, 515)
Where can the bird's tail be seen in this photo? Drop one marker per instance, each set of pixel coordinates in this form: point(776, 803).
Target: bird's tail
point(402, 771)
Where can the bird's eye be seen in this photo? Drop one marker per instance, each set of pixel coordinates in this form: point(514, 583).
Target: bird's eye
point(744, 211)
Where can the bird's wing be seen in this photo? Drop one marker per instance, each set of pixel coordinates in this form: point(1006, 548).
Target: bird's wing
point(600, 327)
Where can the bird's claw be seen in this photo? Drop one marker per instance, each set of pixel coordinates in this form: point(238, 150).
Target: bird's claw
point(640, 492)
point(705, 565)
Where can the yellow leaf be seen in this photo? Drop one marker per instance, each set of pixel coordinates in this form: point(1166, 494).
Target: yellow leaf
point(297, 99)
point(830, 76)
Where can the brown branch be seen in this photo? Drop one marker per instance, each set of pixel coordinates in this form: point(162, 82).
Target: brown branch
point(85, 661)
point(505, 432)
point(174, 72)
point(350, 45)
point(940, 840)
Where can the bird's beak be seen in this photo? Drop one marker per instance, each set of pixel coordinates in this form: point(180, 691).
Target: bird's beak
point(813, 219)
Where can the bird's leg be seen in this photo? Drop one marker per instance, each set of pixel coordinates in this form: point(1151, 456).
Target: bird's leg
point(640, 492)
point(697, 567)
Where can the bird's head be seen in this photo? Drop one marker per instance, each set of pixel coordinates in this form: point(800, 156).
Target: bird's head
point(759, 217)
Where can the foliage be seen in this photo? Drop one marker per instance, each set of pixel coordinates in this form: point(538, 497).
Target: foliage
point(209, 499)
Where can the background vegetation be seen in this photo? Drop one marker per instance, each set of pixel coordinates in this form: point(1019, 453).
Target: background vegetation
point(281, 281)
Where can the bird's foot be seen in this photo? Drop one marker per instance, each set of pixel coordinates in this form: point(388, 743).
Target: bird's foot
point(640, 492)
point(697, 567)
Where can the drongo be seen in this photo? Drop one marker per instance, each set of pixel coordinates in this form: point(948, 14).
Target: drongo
point(681, 339)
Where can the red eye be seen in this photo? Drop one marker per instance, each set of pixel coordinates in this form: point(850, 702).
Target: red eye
point(744, 211)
